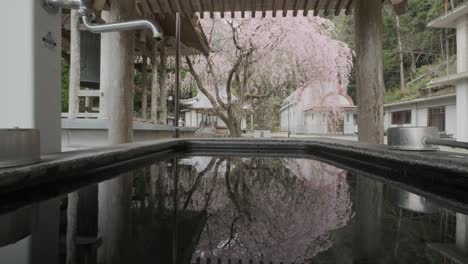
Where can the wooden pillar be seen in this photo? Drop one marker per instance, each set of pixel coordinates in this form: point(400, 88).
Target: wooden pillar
point(369, 60)
point(144, 88)
point(74, 84)
point(114, 196)
point(103, 93)
point(154, 82)
point(117, 80)
point(163, 68)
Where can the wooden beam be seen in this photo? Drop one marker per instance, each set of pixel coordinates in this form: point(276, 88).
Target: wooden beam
point(139, 9)
point(223, 8)
point(200, 9)
point(338, 7)
point(211, 8)
point(273, 7)
point(169, 7)
point(327, 8)
point(179, 7)
point(285, 11)
point(296, 8)
point(242, 8)
point(316, 7)
point(264, 9)
point(191, 8)
point(155, 6)
point(348, 7)
point(252, 6)
point(306, 7)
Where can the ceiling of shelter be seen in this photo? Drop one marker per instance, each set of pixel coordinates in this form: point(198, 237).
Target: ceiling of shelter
point(230, 7)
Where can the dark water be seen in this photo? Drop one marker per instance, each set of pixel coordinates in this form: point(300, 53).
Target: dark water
point(235, 210)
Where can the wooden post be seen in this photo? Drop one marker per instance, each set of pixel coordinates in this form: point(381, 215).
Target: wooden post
point(177, 62)
point(154, 82)
point(163, 68)
point(117, 65)
point(72, 219)
point(369, 60)
point(144, 93)
point(103, 93)
point(74, 84)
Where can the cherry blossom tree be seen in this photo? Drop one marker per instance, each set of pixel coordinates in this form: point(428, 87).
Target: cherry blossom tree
point(256, 59)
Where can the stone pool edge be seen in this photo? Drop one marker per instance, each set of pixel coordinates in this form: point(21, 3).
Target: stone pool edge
point(53, 166)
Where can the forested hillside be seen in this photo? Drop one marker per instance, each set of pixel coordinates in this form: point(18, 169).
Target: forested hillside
point(421, 52)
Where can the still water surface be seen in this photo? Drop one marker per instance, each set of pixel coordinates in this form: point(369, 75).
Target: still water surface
point(235, 210)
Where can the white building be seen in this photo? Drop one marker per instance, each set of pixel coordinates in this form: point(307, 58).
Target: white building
point(198, 112)
point(438, 111)
point(319, 109)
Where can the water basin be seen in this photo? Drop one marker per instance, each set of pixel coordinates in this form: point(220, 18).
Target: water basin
point(224, 209)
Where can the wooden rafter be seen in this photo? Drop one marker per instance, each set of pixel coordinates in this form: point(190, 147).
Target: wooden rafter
point(170, 9)
point(192, 7)
point(285, 11)
point(200, 9)
point(211, 8)
point(264, 8)
point(177, 8)
point(348, 7)
point(242, 7)
point(222, 8)
point(252, 4)
point(296, 8)
point(273, 7)
point(306, 7)
point(316, 7)
point(338, 7)
point(327, 8)
point(155, 6)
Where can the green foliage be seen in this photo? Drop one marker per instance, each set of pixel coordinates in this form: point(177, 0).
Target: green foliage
point(421, 46)
point(65, 85)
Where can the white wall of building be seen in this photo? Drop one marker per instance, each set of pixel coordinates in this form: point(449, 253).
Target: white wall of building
point(451, 119)
point(420, 112)
point(313, 122)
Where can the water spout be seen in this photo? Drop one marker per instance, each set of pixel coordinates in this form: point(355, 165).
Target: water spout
point(130, 25)
point(87, 13)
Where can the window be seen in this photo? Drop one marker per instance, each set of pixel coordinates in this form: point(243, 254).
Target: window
point(355, 119)
point(401, 118)
point(436, 118)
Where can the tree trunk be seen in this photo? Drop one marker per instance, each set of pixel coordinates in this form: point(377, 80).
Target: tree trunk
point(74, 85)
point(400, 50)
point(413, 66)
point(369, 73)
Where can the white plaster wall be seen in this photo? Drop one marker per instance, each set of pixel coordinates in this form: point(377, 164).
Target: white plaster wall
point(419, 112)
point(349, 126)
point(451, 120)
point(422, 117)
point(30, 70)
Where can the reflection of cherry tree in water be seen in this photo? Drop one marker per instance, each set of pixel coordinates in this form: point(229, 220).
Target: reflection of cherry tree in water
point(261, 210)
